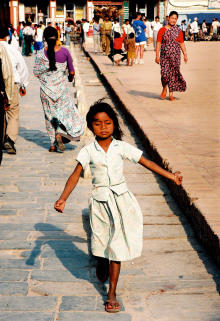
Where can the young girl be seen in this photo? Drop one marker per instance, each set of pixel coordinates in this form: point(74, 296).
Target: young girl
point(131, 48)
point(115, 216)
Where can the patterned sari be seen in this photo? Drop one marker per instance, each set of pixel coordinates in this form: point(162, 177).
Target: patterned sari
point(61, 115)
point(170, 57)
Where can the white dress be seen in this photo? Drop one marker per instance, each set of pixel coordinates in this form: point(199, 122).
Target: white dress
point(115, 215)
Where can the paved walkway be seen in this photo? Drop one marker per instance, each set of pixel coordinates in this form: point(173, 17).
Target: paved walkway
point(183, 134)
point(46, 270)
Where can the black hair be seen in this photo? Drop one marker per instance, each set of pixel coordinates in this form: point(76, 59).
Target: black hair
point(106, 16)
point(157, 17)
point(117, 34)
point(51, 35)
point(3, 32)
point(126, 20)
point(102, 107)
point(131, 35)
point(28, 23)
point(173, 13)
point(137, 14)
point(204, 20)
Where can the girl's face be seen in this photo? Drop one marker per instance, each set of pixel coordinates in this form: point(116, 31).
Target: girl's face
point(172, 20)
point(102, 125)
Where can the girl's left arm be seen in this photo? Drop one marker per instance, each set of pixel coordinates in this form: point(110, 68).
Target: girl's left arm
point(176, 177)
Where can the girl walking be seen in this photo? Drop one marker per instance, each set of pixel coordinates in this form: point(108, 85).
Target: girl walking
point(115, 215)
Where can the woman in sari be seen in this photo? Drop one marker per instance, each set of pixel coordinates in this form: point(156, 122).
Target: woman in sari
point(63, 120)
point(169, 43)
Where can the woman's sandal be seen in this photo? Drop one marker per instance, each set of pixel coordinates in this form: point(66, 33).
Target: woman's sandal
point(60, 144)
point(113, 309)
point(163, 96)
point(172, 99)
point(52, 149)
point(102, 271)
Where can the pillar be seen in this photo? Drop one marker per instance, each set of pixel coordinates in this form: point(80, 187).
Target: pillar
point(52, 9)
point(14, 13)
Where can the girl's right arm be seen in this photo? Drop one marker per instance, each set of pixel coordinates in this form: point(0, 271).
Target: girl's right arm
point(70, 185)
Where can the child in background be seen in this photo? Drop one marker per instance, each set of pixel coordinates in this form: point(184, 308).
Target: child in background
point(118, 41)
point(131, 49)
point(115, 215)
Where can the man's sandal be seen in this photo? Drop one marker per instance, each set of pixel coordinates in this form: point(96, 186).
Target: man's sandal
point(102, 271)
point(113, 309)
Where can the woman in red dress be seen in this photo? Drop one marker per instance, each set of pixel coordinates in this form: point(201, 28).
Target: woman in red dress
point(169, 43)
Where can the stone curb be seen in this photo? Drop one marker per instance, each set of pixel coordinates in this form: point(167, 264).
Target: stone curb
point(199, 215)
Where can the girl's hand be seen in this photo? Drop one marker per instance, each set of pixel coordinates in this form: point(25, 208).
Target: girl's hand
point(59, 205)
point(185, 57)
point(177, 178)
point(157, 60)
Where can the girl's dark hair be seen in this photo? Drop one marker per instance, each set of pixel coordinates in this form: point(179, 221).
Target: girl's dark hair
point(131, 35)
point(51, 35)
point(100, 107)
point(173, 13)
point(117, 34)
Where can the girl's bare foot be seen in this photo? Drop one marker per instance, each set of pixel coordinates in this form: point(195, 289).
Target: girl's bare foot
point(118, 62)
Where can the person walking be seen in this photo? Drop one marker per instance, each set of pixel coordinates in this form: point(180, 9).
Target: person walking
point(140, 38)
point(38, 45)
point(28, 34)
point(195, 30)
point(169, 43)
point(21, 75)
point(85, 29)
point(204, 28)
point(131, 49)
point(156, 25)
point(106, 32)
point(115, 216)
point(63, 120)
point(6, 90)
point(183, 27)
point(96, 35)
point(68, 30)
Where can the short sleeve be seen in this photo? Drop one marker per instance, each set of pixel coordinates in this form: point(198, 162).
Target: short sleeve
point(180, 38)
point(130, 152)
point(83, 157)
point(160, 34)
point(69, 62)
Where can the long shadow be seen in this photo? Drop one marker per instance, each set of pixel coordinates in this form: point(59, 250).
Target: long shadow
point(76, 261)
point(39, 138)
point(144, 94)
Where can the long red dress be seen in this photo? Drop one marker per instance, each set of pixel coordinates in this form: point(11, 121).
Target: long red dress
point(170, 57)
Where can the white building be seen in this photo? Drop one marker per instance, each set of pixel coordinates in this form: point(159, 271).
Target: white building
point(189, 9)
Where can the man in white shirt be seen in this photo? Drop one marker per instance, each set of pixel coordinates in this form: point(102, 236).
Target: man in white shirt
point(215, 25)
point(28, 34)
point(116, 26)
point(195, 29)
point(85, 29)
point(156, 25)
point(20, 71)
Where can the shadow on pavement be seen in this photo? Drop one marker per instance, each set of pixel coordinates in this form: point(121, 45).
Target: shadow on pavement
point(144, 94)
point(76, 261)
point(39, 138)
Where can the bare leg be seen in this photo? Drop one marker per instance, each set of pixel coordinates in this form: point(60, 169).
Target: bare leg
point(136, 52)
point(164, 92)
point(132, 60)
point(112, 303)
point(141, 51)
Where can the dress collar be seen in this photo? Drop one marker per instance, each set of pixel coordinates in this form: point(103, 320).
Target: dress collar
point(99, 148)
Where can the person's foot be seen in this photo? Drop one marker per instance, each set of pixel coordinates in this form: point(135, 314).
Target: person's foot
point(172, 98)
point(164, 93)
point(111, 304)
point(102, 270)
point(136, 61)
point(52, 149)
point(60, 143)
point(9, 145)
point(141, 62)
point(118, 62)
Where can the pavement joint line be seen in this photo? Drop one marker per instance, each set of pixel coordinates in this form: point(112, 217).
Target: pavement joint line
point(201, 227)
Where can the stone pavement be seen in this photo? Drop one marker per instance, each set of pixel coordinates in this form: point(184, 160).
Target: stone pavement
point(46, 270)
point(182, 135)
